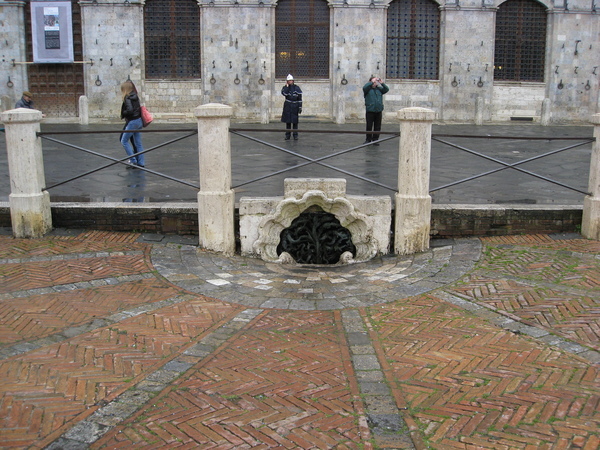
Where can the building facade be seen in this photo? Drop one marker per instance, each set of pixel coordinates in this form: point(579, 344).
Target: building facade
point(476, 61)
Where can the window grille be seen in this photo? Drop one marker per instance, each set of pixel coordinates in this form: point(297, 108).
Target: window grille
point(520, 41)
point(413, 39)
point(172, 39)
point(302, 38)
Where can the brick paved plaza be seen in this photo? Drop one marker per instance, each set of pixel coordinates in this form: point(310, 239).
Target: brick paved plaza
point(112, 340)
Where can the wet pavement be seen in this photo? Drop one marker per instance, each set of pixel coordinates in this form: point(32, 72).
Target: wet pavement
point(252, 160)
point(112, 340)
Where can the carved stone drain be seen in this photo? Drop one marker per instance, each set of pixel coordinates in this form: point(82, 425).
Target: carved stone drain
point(315, 222)
point(316, 237)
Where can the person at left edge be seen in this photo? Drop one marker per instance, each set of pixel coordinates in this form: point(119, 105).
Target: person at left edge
point(292, 107)
point(131, 112)
point(26, 101)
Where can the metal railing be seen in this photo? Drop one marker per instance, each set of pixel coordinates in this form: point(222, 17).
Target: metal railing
point(505, 165)
point(318, 161)
point(441, 138)
point(124, 161)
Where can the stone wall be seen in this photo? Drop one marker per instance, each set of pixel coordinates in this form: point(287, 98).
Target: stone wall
point(516, 100)
point(113, 36)
point(447, 221)
point(238, 63)
point(12, 48)
point(173, 100)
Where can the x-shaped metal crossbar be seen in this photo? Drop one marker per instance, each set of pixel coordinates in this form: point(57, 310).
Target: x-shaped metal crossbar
point(506, 165)
point(314, 160)
point(117, 160)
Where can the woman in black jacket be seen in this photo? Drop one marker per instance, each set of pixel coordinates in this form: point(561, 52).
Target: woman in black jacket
point(131, 112)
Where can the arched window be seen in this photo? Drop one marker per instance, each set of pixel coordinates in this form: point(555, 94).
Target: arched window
point(520, 41)
point(302, 38)
point(172, 39)
point(413, 39)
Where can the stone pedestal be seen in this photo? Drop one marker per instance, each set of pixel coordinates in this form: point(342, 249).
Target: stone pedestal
point(216, 199)
point(590, 223)
point(413, 202)
point(29, 203)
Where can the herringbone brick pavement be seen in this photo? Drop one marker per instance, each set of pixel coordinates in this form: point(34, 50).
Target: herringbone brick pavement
point(37, 316)
point(468, 384)
point(283, 383)
point(546, 241)
point(286, 380)
point(85, 242)
point(551, 284)
point(45, 389)
point(35, 275)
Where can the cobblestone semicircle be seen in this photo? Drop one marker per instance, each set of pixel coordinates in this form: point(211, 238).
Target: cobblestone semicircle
point(259, 284)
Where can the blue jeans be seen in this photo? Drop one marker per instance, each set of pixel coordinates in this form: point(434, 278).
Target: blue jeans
point(134, 156)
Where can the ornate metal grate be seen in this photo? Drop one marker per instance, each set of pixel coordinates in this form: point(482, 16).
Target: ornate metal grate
point(302, 38)
point(172, 39)
point(316, 238)
point(520, 41)
point(413, 39)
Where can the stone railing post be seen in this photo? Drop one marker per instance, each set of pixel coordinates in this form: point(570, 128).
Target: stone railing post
point(413, 202)
point(590, 223)
point(84, 110)
point(216, 199)
point(29, 205)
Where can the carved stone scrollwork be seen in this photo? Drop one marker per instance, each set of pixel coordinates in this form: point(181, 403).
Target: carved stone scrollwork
point(351, 228)
point(316, 238)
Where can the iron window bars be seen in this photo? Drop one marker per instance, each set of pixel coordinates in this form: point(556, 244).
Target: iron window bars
point(172, 39)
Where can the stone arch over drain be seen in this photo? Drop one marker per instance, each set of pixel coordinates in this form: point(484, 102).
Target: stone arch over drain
point(289, 209)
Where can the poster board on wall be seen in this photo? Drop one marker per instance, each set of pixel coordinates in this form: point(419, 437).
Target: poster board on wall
point(52, 32)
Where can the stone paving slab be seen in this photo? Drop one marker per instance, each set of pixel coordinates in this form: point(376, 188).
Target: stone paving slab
point(483, 344)
point(253, 282)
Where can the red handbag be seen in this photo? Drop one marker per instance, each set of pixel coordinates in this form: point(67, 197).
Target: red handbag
point(147, 116)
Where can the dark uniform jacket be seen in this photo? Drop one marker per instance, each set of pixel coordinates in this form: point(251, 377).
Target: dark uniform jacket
point(293, 103)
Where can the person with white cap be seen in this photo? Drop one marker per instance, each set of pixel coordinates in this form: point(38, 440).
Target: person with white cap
point(292, 107)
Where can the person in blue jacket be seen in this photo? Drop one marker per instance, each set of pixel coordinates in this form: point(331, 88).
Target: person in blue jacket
point(374, 91)
point(292, 107)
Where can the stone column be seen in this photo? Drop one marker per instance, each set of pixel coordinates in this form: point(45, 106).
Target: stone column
point(479, 107)
point(29, 204)
point(590, 224)
point(546, 112)
point(413, 202)
point(339, 109)
point(84, 110)
point(216, 198)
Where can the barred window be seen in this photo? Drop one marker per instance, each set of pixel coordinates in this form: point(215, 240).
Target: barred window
point(520, 41)
point(302, 38)
point(172, 39)
point(413, 39)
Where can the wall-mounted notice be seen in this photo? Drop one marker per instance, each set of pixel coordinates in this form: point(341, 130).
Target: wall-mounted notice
point(52, 32)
